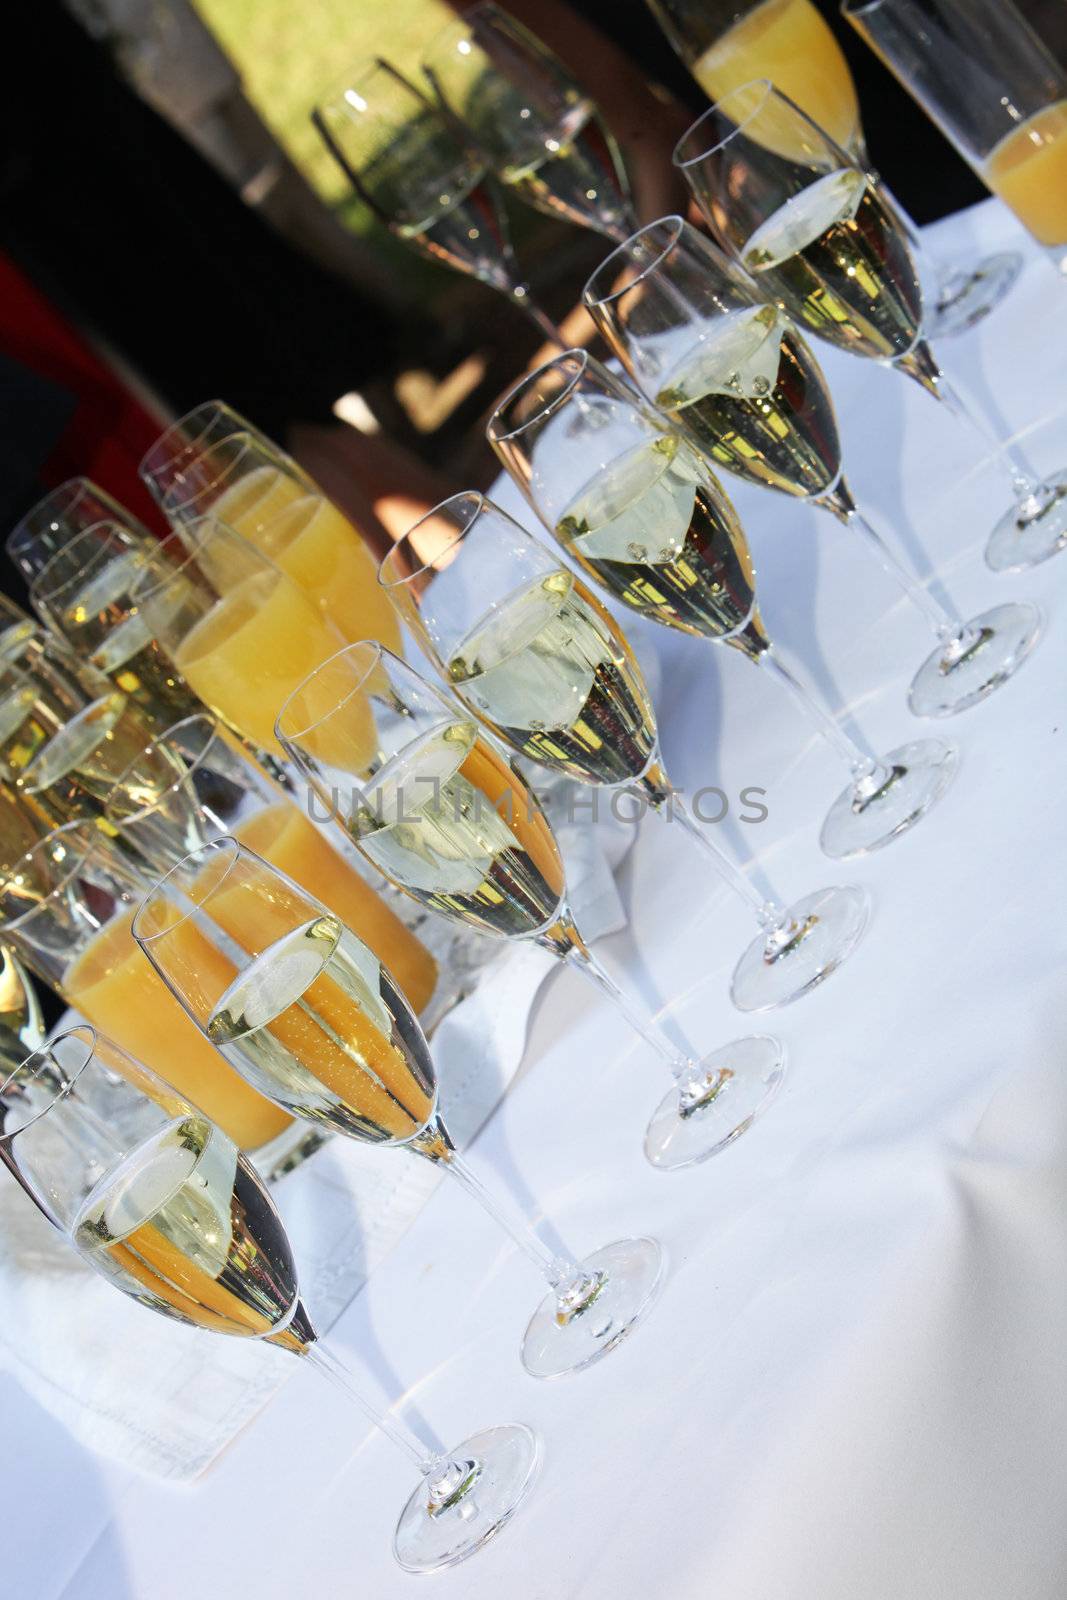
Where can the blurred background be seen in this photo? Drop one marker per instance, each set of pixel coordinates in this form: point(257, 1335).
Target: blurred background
point(173, 229)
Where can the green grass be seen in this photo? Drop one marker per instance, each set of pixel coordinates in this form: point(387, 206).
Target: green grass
point(289, 51)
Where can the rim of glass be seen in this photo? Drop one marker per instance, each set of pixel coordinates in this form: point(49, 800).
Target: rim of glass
point(721, 105)
point(119, 534)
point(173, 443)
point(83, 1031)
point(189, 541)
point(179, 496)
point(160, 741)
point(376, 653)
point(856, 8)
point(579, 357)
point(225, 845)
point(90, 839)
point(473, 498)
point(64, 497)
point(673, 223)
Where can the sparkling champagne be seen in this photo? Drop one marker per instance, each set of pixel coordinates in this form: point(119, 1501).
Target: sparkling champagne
point(554, 675)
point(65, 772)
point(317, 1023)
point(185, 1226)
point(573, 175)
point(123, 646)
point(652, 529)
point(449, 821)
point(752, 398)
point(837, 258)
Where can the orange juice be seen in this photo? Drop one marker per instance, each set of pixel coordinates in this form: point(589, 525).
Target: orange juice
point(317, 546)
point(251, 650)
point(285, 838)
point(113, 984)
point(788, 42)
point(1028, 170)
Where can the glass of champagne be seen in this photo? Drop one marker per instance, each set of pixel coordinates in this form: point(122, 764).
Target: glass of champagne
point(84, 595)
point(65, 734)
point(156, 1198)
point(210, 787)
point(631, 500)
point(727, 43)
point(171, 461)
point(531, 121)
point(537, 658)
point(241, 482)
point(67, 908)
point(306, 1012)
point(821, 240)
point(993, 88)
point(407, 774)
point(405, 162)
point(730, 370)
point(77, 505)
point(238, 629)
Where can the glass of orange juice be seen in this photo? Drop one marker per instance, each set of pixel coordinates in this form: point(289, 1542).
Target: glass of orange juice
point(239, 630)
point(246, 484)
point(214, 788)
point(66, 909)
point(994, 89)
point(727, 43)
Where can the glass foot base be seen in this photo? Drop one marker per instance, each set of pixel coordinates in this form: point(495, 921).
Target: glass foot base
point(826, 928)
point(1031, 531)
point(921, 772)
point(952, 679)
point(631, 1273)
point(503, 1464)
point(966, 297)
point(728, 1090)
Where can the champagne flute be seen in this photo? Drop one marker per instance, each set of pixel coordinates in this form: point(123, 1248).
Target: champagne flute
point(726, 43)
point(536, 657)
point(819, 238)
point(530, 120)
point(170, 462)
point(84, 595)
point(637, 507)
point(306, 1012)
point(405, 162)
point(238, 629)
point(243, 483)
point(158, 1200)
point(66, 909)
point(732, 373)
point(194, 782)
point(432, 804)
point(993, 88)
point(75, 506)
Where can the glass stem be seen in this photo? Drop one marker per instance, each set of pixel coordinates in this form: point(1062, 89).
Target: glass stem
point(520, 295)
point(946, 624)
point(862, 764)
point(333, 1369)
point(573, 1287)
point(583, 961)
point(921, 364)
point(655, 789)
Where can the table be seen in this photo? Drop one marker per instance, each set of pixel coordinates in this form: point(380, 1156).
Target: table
point(854, 1383)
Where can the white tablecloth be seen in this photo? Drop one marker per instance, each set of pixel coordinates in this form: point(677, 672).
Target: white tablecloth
point(854, 1383)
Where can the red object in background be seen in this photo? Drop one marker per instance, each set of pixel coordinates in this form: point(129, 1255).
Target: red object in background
point(110, 429)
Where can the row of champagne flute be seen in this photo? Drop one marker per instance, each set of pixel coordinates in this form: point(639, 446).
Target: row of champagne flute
point(501, 103)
